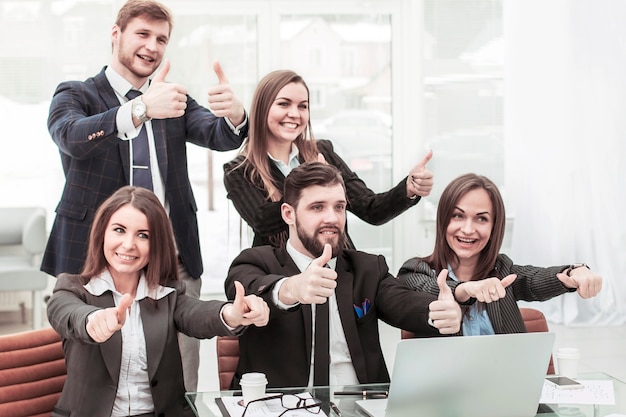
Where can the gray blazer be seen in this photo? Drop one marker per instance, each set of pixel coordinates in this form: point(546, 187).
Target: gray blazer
point(532, 284)
point(93, 369)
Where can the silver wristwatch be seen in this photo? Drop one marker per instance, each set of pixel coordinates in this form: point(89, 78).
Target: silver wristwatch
point(140, 109)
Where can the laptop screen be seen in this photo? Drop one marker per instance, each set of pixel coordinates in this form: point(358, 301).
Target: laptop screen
point(468, 376)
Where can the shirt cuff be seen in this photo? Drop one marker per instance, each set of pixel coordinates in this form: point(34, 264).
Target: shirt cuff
point(275, 299)
point(237, 129)
point(124, 120)
point(232, 329)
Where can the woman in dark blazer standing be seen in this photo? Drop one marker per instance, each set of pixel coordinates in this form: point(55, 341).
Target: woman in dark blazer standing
point(470, 230)
point(279, 139)
point(119, 319)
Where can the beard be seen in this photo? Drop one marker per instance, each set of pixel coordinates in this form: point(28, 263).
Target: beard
point(315, 245)
point(126, 57)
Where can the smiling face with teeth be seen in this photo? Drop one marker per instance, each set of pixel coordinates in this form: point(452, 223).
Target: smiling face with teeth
point(127, 244)
point(139, 48)
point(288, 115)
point(470, 226)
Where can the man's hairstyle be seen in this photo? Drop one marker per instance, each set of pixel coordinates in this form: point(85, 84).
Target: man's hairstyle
point(309, 174)
point(162, 260)
point(443, 254)
point(148, 9)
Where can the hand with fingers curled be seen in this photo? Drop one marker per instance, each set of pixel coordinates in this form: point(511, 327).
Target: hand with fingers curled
point(165, 100)
point(420, 179)
point(246, 310)
point(103, 323)
point(587, 283)
point(314, 285)
point(485, 290)
point(445, 312)
point(222, 100)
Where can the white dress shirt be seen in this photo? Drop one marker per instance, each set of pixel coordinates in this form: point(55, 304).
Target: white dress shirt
point(133, 389)
point(341, 371)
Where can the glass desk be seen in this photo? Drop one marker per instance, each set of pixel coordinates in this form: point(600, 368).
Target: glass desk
point(204, 405)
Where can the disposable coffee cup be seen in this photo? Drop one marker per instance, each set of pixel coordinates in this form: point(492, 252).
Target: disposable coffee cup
point(253, 386)
point(567, 359)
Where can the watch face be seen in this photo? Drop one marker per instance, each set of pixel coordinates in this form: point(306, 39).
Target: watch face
point(139, 109)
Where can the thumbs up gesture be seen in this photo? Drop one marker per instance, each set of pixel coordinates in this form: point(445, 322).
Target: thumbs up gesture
point(222, 101)
point(314, 285)
point(103, 323)
point(420, 179)
point(246, 310)
point(165, 100)
point(445, 313)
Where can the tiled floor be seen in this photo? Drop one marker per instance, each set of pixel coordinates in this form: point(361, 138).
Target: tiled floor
point(603, 348)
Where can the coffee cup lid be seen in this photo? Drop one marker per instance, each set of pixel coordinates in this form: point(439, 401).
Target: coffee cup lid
point(253, 378)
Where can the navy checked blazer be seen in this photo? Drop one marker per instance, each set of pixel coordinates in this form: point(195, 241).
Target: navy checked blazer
point(96, 163)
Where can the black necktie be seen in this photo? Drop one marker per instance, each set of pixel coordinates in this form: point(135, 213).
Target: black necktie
point(321, 353)
point(142, 177)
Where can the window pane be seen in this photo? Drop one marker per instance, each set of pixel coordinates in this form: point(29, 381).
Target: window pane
point(346, 62)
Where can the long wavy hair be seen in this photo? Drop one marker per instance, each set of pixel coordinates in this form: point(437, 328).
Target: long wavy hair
point(162, 263)
point(443, 254)
point(256, 163)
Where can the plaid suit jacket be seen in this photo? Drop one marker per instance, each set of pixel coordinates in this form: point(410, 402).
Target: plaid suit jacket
point(96, 163)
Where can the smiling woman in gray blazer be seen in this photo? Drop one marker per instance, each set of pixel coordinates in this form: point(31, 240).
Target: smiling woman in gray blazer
point(119, 319)
point(469, 234)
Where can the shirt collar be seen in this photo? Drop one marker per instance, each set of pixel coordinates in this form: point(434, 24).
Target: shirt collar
point(102, 283)
point(120, 84)
point(303, 261)
point(293, 161)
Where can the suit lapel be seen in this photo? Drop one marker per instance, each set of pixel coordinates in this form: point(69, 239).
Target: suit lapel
point(111, 350)
point(154, 316)
point(107, 94)
point(343, 292)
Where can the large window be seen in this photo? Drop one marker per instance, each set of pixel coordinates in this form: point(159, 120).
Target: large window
point(362, 61)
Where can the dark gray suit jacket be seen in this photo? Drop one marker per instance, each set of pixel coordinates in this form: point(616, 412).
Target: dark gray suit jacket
point(93, 368)
point(282, 349)
point(263, 216)
point(532, 284)
point(96, 164)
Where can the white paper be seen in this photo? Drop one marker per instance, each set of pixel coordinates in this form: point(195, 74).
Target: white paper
point(269, 408)
point(593, 392)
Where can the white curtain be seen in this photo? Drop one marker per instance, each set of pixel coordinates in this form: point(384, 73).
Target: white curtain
point(565, 124)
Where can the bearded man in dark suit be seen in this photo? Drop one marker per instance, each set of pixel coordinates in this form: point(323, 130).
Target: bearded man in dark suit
point(313, 272)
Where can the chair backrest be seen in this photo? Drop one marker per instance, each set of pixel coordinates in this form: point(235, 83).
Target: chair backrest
point(23, 233)
point(227, 359)
point(534, 320)
point(32, 373)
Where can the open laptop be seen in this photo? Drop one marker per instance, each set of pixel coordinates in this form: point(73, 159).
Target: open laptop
point(468, 376)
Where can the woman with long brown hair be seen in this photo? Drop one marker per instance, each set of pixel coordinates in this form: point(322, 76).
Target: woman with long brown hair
point(279, 139)
point(470, 230)
point(120, 318)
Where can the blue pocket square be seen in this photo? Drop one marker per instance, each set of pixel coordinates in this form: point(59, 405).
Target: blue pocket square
point(365, 307)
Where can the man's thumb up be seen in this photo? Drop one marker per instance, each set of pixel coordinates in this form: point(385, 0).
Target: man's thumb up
point(221, 77)
point(165, 69)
